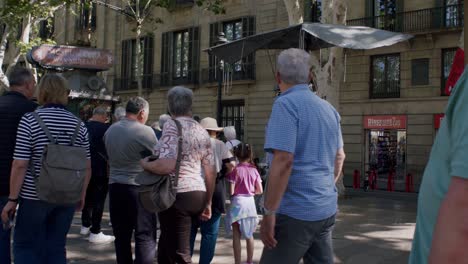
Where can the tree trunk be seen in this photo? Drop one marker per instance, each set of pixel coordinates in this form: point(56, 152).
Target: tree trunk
point(295, 10)
point(25, 34)
point(4, 84)
point(139, 64)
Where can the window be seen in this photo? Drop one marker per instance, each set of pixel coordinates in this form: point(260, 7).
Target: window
point(233, 115)
point(180, 57)
point(453, 13)
point(233, 30)
point(313, 11)
point(181, 54)
point(129, 63)
point(385, 76)
point(420, 72)
point(385, 14)
point(46, 28)
point(87, 16)
point(447, 60)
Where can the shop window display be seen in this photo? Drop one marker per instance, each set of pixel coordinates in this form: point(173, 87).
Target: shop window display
point(387, 152)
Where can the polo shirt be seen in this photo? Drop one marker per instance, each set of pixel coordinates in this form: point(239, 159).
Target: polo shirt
point(447, 159)
point(307, 126)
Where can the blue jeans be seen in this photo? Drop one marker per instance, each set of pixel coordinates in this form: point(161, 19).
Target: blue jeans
point(41, 232)
point(5, 235)
point(209, 231)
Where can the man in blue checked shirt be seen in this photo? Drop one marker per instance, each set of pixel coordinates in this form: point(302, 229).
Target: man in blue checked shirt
point(305, 138)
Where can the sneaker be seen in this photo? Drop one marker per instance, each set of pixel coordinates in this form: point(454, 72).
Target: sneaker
point(100, 238)
point(85, 230)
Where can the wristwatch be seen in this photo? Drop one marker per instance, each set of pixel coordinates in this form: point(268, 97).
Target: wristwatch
point(267, 212)
point(13, 200)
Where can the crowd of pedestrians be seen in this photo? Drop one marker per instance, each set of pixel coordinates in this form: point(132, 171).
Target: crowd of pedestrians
point(303, 138)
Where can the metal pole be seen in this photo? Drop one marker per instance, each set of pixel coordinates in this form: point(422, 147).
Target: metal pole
point(219, 114)
point(465, 21)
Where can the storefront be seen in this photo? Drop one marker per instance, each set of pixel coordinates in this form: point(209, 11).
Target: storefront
point(385, 150)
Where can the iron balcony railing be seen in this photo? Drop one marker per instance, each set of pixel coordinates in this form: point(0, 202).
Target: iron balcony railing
point(149, 82)
point(237, 72)
point(438, 18)
point(385, 89)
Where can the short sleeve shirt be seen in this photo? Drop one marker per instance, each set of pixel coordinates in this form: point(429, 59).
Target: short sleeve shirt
point(447, 159)
point(303, 124)
point(31, 141)
point(245, 178)
point(196, 151)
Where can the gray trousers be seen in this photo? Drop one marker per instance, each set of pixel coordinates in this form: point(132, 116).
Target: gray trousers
point(308, 240)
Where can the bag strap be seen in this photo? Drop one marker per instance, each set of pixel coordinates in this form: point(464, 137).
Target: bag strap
point(47, 131)
point(179, 151)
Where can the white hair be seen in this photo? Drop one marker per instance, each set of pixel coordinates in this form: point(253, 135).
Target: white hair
point(293, 65)
point(119, 113)
point(162, 120)
point(180, 101)
point(230, 132)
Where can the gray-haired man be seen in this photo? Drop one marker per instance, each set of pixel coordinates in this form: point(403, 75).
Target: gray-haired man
point(126, 142)
point(304, 136)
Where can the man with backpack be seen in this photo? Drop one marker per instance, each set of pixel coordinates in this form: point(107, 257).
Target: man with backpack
point(96, 193)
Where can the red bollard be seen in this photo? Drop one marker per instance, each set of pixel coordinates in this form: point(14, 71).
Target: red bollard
point(357, 179)
point(373, 179)
point(390, 181)
point(409, 183)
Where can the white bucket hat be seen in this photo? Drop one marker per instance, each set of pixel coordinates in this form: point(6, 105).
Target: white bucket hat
point(210, 123)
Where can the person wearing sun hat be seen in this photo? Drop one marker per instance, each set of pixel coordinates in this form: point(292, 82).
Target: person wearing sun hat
point(209, 229)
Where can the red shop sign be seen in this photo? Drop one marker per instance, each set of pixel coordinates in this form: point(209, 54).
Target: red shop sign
point(438, 120)
point(385, 122)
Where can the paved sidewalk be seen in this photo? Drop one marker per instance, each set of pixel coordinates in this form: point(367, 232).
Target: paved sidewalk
point(369, 229)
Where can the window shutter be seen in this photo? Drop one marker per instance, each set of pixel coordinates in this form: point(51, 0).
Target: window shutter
point(148, 54)
point(400, 9)
point(194, 56)
point(166, 58)
point(93, 16)
point(126, 64)
point(370, 13)
point(215, 28)
point(308, 11)
point(248, 28)
point(438, 14)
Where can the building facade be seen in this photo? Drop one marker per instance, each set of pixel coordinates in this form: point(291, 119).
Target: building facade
point(173, 55)
point(392, 99)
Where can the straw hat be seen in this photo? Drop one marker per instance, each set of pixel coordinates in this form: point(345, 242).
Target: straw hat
point(210, 123)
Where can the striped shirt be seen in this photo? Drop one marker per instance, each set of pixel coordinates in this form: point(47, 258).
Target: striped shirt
point(31, 140)
point(303, 124)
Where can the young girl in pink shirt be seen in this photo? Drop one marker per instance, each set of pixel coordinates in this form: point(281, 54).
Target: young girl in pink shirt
point(245, 183)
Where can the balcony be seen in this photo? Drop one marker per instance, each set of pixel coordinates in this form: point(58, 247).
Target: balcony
point(424, 20)
point(239, 72)
point(150, 82)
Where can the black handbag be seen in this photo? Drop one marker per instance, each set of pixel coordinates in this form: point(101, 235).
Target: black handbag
point(158, 192)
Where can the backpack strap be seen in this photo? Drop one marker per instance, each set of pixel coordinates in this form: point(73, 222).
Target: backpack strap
point(44, 127)
point(179, 152)
point(49, 135)
point(75, 134)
